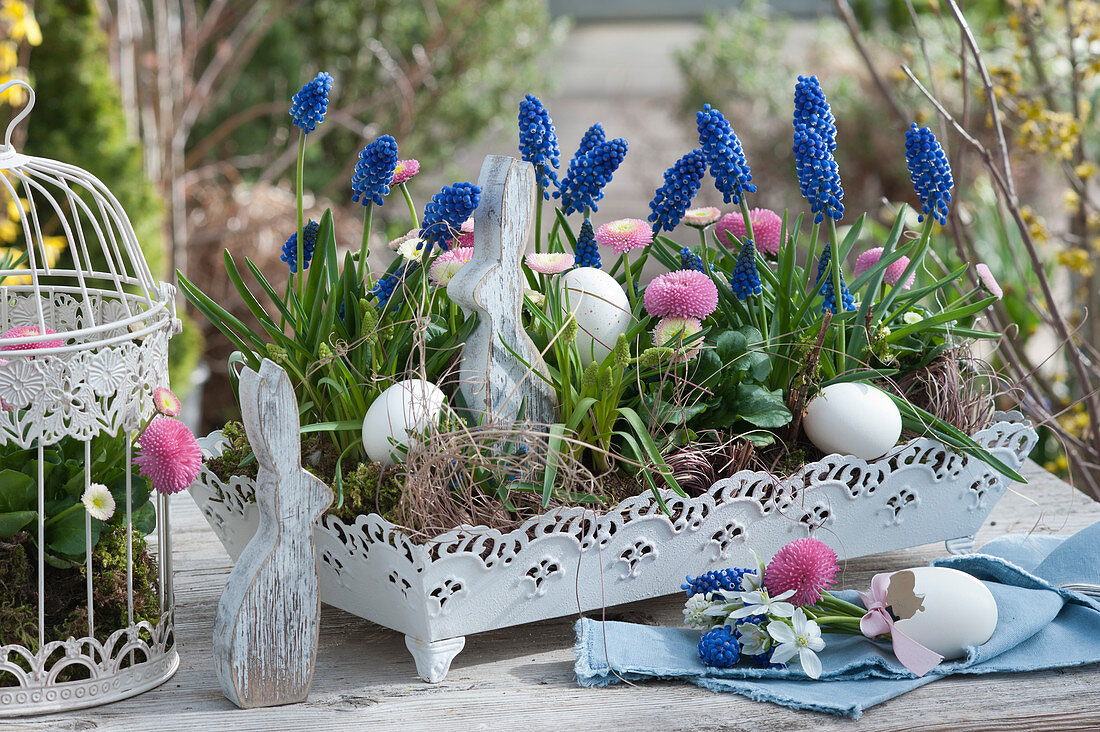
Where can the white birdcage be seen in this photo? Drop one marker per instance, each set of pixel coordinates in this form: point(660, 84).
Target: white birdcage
point(88, 371)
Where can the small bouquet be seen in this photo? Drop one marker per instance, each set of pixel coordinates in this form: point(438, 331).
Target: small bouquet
point(775, 614)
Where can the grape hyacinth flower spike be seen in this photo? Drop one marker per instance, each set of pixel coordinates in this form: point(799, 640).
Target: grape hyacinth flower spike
point(582, 187)
point(691, 260)
point(375, 171)
point(309, 105)
point(722, 149)
point(745, 280)
point(587, 251)
point(538, 143)
point(290, 248)
point(929, 171)
point(825, 280)
point(682, 182)
point(814, 144)
point(444, 214)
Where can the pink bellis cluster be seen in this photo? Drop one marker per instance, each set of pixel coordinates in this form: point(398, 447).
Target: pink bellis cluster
point(549, 263)
point(404, 170)
point(701, 217)
point(685, 293)
point(625, 234)
point(988, 281)
point(672, 332)
point(447, 264)
point(806, 567)
point(767, 228)
point(893, 273)
point(465, 236)
point(168, 455)
point(27, 331)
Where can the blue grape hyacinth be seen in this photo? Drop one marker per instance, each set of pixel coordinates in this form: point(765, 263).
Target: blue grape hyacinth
point(732, 175)
point(582, 187)
point(929, 171)
point(691, 260)
point(445, 213)
point(538, 143)
point(383, 289)
point(745, 279)
point(814, 144)
point(587, 251)
point(290, 248)
point(374, 171)
point(714, 580)
point(308, 106)
point(593, 136)
point(682, 181)
point(825, 279)
point(719, 648)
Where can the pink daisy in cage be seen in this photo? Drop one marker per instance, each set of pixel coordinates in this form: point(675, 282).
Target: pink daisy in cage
point(893, 273)
point(685, 293)
point(988, 281)
point(805, 566)
point(549, 263)
point(767, 229)
point(623, 235)
point(702, 217)
point(166, 402)
point(447, 264)
point(26, 331)
point(672, 332)
point(168, 455)
point(405, 170)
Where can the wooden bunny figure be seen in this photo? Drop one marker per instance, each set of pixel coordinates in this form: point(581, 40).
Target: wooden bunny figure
point(493, 381)
point(265, 632)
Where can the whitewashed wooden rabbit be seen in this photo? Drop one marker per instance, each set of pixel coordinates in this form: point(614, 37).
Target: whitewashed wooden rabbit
point(265, 632)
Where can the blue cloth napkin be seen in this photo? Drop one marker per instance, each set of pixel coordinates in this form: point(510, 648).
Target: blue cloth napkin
point(1040, 626)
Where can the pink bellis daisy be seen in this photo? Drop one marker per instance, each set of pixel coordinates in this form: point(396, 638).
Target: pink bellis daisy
point(395, 244)
point(548, 263)
point(165, 402)
point(447, 264)
point(465, 236)
point(701, 217)
point(26, 331)
point(767, 228)
point(404, 170)
point(625, 234)
point(685, 293)
point(169, 456)
point(806, 567)
point(893, 273)
point(988, 281)
point(672, 332)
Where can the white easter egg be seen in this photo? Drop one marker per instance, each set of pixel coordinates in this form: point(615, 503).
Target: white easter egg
point(943, 609)
point(853, 419)
point(601, 308)
point(406, 407)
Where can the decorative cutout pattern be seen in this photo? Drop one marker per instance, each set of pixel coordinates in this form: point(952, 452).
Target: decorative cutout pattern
point(840, 500)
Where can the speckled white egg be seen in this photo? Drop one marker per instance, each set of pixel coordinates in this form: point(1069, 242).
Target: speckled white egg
point(601, 308)
point(406, 407)
point(943, 609)
point(853, 419)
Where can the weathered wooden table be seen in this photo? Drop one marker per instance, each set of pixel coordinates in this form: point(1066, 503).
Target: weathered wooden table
point(522, 678)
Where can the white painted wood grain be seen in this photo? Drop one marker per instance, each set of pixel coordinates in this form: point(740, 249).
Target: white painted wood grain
point(265, 631)
point(522, 678)
point(493, 381)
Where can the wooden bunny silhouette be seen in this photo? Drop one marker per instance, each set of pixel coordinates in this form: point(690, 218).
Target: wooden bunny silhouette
point(265, 632)
point(493, 381)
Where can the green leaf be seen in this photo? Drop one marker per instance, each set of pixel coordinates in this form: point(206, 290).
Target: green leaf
point(553, 454)
point(66, 536)
point(760, 407)
point(18, 492)
point(145, 519)
point(13, 521)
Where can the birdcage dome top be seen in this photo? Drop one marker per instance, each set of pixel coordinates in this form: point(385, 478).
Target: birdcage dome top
point(84, 323)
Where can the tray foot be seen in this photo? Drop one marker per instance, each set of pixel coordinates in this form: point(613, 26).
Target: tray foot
point(433, 658)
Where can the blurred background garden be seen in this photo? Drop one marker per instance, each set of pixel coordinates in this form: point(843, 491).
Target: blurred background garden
point(180, 106)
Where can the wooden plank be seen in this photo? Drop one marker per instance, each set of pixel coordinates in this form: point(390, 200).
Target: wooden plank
point(265, 630)
point(523, 677)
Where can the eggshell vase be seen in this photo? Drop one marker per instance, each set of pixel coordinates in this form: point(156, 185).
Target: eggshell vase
point(475, 579)
point(943, 609)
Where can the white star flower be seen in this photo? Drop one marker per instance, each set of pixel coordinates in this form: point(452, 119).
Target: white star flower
point(759, 602)
point(754, 639)
point(802, 638)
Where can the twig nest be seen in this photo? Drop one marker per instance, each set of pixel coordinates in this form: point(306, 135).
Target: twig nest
point(943, 609)
point(407, 407)
point(853, 419)
point(601, 308)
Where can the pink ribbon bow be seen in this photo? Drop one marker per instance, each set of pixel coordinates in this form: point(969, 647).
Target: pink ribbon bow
point(878, 621)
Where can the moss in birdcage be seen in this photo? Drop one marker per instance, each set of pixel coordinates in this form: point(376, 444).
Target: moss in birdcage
point(66, 608)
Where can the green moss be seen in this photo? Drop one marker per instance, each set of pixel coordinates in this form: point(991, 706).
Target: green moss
point(236, 457)
point(369, 489)
point(66, 599)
